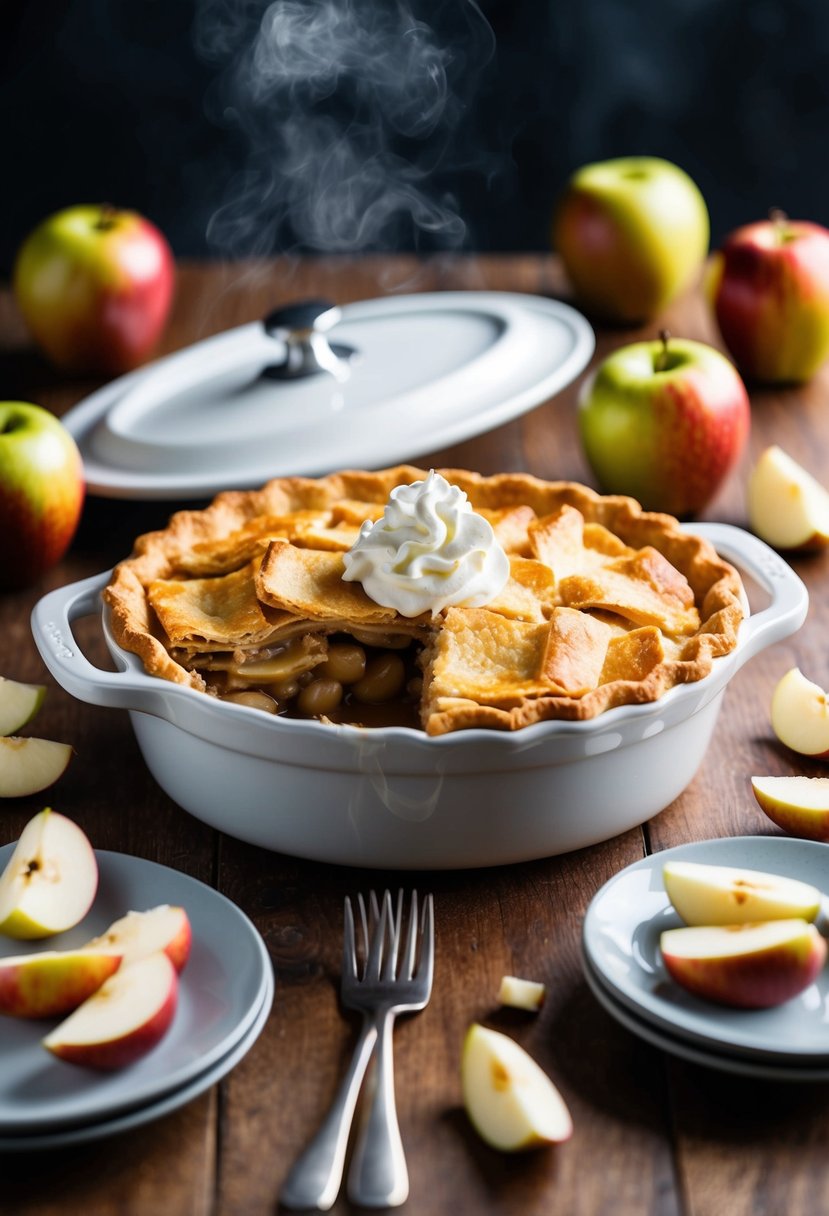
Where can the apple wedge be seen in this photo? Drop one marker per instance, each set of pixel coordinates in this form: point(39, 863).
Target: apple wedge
point(751, 966)
point(521, 994)
point(54, 982)
point(18, 704)
point(510, 1100)
point(123, 1020)
point(787, 507)
point(28, 766)
point(138, 934)
point(725, 895)
point(798, 805)
point(800, 715)
point(50, 880)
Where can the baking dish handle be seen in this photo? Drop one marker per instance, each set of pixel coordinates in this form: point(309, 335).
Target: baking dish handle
point(789, 598)
point(51, 623)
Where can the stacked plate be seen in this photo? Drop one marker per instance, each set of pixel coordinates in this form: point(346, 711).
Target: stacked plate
point(225, 996)
point(624, 969)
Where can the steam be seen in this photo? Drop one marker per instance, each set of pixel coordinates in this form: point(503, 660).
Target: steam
point(352, 114)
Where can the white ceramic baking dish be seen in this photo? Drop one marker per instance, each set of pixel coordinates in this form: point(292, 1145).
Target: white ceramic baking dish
point(395, 798)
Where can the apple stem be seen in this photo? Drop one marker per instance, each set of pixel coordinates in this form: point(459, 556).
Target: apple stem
point(106, 218)
point(780, 220)
point(661, 360)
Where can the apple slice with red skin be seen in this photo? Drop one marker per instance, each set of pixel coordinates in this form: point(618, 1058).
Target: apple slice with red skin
point(128, 1015)
point(50, 880)
point(18, 704)
point(787, 507)
point(54, 982)
point(138, 934)
point(798, 805)
point(510, 1100)
point(28, 765)
point(750, 966)
point(800, 715)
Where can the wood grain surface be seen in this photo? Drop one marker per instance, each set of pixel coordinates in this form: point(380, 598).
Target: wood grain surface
point(653, 1136)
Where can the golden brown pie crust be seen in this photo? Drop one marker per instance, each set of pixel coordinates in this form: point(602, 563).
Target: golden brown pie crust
point(606, 605)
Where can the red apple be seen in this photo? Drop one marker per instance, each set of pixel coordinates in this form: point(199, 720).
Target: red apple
point(750, 966)
point(95, 286)
point(632, 234)
point(123, 1020)
point(41, 492)
point(769, 289)
point(664, 422)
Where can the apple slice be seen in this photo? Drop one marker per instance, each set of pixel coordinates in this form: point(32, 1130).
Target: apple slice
point(521, 994)
point(511, 1102)
point(141, 933)
point(800, 715)
point(787, 507)
point(123, 1020)
point(749, 966)
point(30, 765)
point(18, 704)
point(54, 982)
point(724, 895)
point(798, 805)
point(50, 880)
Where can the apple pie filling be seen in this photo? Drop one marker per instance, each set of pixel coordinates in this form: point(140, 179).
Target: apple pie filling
point(257, 600)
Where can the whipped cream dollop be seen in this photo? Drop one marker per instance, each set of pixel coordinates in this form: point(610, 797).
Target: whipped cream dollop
point(429, 551)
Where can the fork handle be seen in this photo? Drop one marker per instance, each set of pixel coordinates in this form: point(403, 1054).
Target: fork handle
point(378, 1177)
point(314, 1181)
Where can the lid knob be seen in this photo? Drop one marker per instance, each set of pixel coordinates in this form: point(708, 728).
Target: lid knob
point(302, 328)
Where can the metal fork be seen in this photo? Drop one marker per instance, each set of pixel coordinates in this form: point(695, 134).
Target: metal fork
point(378, 1175)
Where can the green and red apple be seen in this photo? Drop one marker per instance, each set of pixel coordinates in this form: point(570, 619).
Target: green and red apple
point(53, 983)
point(632, 234)
point(769, 289)
point(18, 704)
point(750, 966)
point(664, 422)
point(798, 805)
point(95, 285)
point(510, 1100)
point(127, 1016)
point(727, 895)
point(50, 880)
point(800, 715)
point(787, 507)
point(41, 492)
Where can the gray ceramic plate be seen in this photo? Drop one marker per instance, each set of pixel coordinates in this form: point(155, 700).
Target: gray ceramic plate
point(743, 1066)
point(153, 1110)
point(621, 942)
point(221, 993)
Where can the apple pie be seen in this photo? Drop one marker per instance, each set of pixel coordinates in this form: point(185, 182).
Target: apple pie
point(249, 600)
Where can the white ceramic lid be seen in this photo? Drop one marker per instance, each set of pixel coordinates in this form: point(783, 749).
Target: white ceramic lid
point(429, 370)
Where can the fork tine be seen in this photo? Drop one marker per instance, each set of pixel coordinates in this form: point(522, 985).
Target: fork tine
point(349, 944)
point(378, 938)
point(408, 964)
point(395, 923)
point(426, 965)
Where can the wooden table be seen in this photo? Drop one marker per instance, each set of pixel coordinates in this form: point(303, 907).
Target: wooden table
point(652, 1134)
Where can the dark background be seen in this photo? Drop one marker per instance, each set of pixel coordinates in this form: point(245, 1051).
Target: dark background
point(242, 127)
